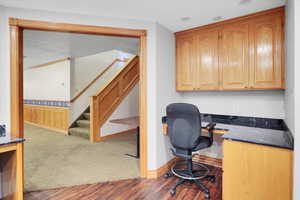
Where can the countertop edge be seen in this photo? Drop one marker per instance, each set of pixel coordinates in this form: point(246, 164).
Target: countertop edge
point(265, 144)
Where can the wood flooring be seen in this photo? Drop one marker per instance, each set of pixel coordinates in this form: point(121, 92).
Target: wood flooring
point(132, 189)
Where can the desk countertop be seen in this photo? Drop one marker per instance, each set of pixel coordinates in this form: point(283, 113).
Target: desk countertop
point(8, 139)
point(262, 136)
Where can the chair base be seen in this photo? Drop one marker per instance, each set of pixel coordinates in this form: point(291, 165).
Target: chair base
point(196, 171)
point(190, 175)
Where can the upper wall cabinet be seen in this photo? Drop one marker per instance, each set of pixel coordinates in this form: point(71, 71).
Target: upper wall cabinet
point(185, 62)
point(267, 52)
point(245, 53)
point(206, 60)
point(234, 56)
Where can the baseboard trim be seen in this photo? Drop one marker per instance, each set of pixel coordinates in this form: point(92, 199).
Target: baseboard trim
point(162, 170)
point(216, 162)
point(127, 132)
point(45, 127)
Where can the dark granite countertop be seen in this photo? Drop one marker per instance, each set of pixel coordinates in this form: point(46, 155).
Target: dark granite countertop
point(8, 139)
point(263, 131)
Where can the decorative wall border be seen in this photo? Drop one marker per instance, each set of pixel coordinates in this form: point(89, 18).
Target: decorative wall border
point(53, 103)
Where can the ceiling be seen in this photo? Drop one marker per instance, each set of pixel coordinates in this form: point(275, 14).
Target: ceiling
point(41, 46)
point(166, 12)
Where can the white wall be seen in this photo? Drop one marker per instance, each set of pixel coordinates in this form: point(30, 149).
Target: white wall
point(290, 65)
point(166, 91)
point(88, 20)
point(4, 69)
point(128, 108)
point(51, 82)
point(82, 103)
point(269, 104)
point(70, 45)
point(85, 69)
point(297, 100)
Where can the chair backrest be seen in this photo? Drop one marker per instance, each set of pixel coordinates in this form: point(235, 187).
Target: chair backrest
point(184, 125)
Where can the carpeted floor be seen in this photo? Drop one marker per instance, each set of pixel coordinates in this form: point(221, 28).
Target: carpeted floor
point(54, 160)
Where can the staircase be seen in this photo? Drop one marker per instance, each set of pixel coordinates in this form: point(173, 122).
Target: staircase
point(106, 101)
point(81, 127)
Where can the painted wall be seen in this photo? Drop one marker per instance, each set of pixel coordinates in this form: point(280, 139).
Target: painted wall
point(128, 108)
point(269, 104)
point(82, 103)
point(165, 89)
point(51, 82)
point(85, 69)
point(297, 101)
point(4, 69)
point(70, 45)
point(290, 65)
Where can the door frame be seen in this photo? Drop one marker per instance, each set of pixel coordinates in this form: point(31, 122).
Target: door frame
point(16, 64)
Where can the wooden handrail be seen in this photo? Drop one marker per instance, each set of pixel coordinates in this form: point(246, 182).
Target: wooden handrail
point(131, 61)
point(95, 79)
point(49, 63)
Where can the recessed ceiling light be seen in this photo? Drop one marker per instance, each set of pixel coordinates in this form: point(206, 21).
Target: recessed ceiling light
point(218, 18)
point(185, 18)
point(242, 2)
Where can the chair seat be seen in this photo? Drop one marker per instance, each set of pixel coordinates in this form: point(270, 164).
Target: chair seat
point(204, 142)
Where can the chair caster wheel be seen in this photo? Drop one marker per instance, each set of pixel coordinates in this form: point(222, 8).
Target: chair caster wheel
point(172, 192)
point(211, 179)
point(207, 196)
point(167, 175)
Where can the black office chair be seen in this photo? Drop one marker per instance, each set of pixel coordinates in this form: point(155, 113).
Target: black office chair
point(184, 129)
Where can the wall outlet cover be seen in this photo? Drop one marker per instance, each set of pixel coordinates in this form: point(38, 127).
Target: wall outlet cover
point(2, 130)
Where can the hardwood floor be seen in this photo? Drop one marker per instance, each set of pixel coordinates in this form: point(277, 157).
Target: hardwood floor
point(148, 189)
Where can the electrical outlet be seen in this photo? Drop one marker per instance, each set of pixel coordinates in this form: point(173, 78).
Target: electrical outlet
point(2, 130)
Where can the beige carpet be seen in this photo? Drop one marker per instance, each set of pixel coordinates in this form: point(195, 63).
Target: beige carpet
point(54, 160)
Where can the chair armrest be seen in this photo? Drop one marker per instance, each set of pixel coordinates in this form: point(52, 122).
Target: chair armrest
point(165, 125)
point(164, 119)
point(210, 127)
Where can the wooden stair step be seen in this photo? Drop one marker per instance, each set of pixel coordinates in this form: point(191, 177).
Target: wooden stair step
point(87, 115)
point(83, 123)
point(80, 131)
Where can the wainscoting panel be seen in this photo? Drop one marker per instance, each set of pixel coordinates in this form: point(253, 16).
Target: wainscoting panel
point(55, 118)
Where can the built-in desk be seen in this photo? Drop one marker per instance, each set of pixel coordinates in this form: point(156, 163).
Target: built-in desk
point(257, 164)
point(257, 157)
point(11, 168)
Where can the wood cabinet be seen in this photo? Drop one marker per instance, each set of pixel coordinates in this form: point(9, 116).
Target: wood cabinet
point(245, 53)
point(267, 55)
point(252, 171)
point(186, 62)
point(206, 60)
point(234, 56)
point(11, 171)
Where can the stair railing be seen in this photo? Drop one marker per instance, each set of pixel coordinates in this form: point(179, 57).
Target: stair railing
point(94, 80)
point(105, 102)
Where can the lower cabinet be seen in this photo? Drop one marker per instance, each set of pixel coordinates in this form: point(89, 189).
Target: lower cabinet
point(256, 172)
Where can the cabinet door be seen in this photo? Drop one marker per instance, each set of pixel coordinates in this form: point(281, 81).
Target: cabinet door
point(234, 56)
point(266, 70)
point(256, 172)
point(207, 65)
point(185, 62)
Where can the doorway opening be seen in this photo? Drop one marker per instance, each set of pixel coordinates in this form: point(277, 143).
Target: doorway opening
point(17, 27)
